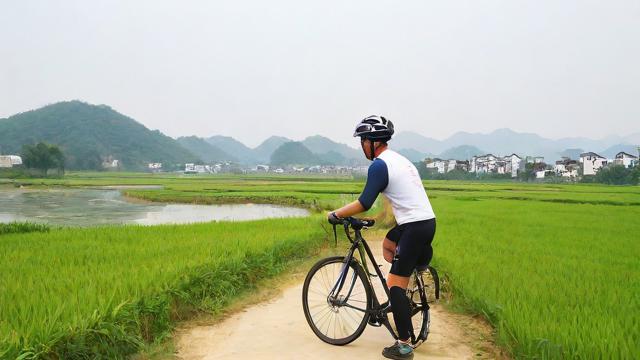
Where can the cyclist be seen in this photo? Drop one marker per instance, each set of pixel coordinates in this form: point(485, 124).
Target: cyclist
point(408, 244)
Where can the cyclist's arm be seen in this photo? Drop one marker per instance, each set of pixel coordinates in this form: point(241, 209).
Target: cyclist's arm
point(377, 181)
point(350, 209)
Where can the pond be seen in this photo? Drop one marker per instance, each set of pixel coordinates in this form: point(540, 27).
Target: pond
point(88, 207)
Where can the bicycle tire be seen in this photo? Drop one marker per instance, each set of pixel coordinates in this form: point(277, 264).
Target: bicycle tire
point(318, 283)
point(435, 280)
point(419, 309)
point(424, 288)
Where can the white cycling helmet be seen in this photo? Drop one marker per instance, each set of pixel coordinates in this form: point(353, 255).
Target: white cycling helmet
point(374, 127)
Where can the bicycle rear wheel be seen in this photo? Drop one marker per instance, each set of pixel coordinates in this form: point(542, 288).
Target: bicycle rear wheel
point(423, 288)
point(340, 318)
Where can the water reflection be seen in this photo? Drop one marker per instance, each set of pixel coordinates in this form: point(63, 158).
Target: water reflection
point(87, 207)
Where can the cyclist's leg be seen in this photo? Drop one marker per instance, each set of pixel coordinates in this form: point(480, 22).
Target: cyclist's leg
point(426, 253)
point(388, 250)
point(411, 249)
point(390, 243)
point(403, 264)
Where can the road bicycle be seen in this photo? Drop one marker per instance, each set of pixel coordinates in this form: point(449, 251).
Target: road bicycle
point(339, 299)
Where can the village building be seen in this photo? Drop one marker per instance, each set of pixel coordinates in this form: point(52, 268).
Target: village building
point(566, 168)
point(514, 165)
point(625, 159)
point(154, 167)
point(9, 161)
point(189, 168)
point(483, 164)
point(110, 163)
point(489, 163)
point(591, 163)
point(462, 165)
point(436, 165)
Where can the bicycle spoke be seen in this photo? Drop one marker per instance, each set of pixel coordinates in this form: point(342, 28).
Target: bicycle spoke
point(318, 305)
point(321, 311)
point(360, 301)
point(329, 322)
point(355, 319)
point(318, 293)
point(325, 280)
point(321, 321)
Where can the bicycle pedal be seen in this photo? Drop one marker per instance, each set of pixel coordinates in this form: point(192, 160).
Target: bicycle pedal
point(374, 275)
point(375, 323)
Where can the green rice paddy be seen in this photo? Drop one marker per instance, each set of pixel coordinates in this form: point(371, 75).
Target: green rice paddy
point(554, 268)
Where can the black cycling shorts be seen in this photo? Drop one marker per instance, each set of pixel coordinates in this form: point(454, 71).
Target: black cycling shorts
point(413, 246)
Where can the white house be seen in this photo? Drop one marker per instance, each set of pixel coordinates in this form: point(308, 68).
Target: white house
point(483, 164)
point(110, 163)
point(190, 168)
point(514, 164)
point(450, 165)
point(626, 160)
point(510, 164)
point(438, 165)
point(444, 166)
point(566, 168)
point(501, 166)
point(591, 163)
point(7, 161)
point(155, 166)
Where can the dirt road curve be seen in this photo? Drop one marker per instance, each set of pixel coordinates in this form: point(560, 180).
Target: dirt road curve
point(277, 329)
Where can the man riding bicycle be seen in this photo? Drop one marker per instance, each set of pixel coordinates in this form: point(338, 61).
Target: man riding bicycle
point(408, 244)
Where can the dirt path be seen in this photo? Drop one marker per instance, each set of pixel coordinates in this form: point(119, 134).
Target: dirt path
point(277, 329)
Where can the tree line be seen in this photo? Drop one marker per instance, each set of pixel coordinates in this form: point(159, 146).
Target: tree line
point(43, 157)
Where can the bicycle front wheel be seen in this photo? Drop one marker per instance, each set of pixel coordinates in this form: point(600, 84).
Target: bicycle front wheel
point(337, 318)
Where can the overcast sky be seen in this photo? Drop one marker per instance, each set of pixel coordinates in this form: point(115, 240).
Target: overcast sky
point(251, 69)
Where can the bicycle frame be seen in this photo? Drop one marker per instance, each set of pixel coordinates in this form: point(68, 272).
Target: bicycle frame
point(378, 310)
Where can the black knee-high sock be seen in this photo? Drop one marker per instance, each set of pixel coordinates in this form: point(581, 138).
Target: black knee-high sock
point(400, 309)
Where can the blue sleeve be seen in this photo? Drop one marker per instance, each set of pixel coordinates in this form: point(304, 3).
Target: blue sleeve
point(377, 181)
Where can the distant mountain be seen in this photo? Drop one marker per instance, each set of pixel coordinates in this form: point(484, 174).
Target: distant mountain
point(611, 152)
point(332, 158)
point(89, 134)
point(414, 155)
point(573, 154)
point(633, 139)
point(293, 153)
point(412, 140)
point(233, 147)
point(462, 152)
point(322, 145)
point(506, 141)
point(207, 152)
point(263, 151)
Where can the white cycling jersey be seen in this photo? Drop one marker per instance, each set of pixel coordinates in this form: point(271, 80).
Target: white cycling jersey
point(398, 179)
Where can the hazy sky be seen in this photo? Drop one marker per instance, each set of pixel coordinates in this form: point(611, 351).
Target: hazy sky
point(251, 69)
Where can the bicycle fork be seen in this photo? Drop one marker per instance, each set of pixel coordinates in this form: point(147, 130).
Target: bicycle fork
point(334, 299)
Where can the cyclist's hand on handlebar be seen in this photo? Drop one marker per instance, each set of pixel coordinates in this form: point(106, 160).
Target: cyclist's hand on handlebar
point(333, 218)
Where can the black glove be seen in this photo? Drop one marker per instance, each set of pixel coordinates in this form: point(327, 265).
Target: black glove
point(333, 218)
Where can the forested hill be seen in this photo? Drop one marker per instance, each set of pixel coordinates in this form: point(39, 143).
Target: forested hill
point(89, 134)
point(207, 152)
